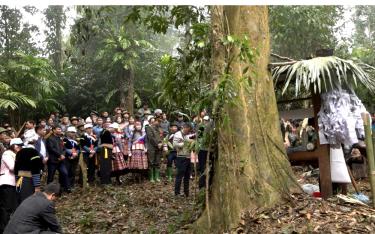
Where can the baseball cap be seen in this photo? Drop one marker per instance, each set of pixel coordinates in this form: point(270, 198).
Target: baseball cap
point(16, 141)
point(206, 117)
point(71, 129)
point(3, 129)
point(158, 111)
point(87, 126)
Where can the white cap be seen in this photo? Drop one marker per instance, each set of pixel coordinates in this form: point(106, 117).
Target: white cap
point(114, 125)
point(88, 120)
point(150, 117)
point(16, 141)
point(88, 125)
point(206, 117)
point(71, 129)
point(158, 111)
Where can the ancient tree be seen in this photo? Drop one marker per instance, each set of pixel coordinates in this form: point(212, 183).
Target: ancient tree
point(252, 169)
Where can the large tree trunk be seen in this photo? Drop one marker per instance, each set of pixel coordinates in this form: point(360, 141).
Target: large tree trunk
point(252, 169)
point(127, 80)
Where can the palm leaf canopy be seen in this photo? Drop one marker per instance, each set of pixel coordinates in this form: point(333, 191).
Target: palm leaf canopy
point(322, 74)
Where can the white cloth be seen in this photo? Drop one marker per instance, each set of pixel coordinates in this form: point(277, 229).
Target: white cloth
point(7, 168)
point(339, 171)
point(43, 150)
point(29, 136)
point(339, 118)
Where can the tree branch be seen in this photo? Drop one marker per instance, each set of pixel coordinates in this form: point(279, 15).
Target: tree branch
point(282, 57)
point(281, 64)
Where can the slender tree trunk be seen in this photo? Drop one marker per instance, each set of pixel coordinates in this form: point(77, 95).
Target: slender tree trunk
point(218, 50)
point(130, 97)
point(252, 169)
point(123, 80)
point(58, 56)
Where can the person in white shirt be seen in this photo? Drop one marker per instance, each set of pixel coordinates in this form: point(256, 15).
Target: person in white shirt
point(40, 144)
point(30, 136)
point(8, 200)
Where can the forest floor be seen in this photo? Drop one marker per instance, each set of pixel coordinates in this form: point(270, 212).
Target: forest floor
point(133, 207)
point(143, 207)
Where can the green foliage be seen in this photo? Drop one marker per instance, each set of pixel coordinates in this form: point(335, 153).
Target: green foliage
point(298, 31)
point(103, 45)
point(363, 47)
point(27, 80)
point(185, 77)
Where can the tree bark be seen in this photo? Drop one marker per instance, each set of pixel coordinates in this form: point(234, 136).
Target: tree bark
point(252, 169)
point(123, 80)
point(130, 97)
point(58, 56)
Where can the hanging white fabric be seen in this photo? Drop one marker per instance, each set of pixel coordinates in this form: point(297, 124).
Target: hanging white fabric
point(339, 171)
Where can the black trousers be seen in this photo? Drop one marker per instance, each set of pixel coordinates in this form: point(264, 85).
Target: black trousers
point(183, 172)
point(71, 167)
point(105, 165)
point(63, 174)
point(90, 163)
point(25, 190)
point(8, 203)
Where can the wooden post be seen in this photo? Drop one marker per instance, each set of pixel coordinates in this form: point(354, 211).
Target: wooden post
point(324, 156)
point(370, 153)
point(83, 167)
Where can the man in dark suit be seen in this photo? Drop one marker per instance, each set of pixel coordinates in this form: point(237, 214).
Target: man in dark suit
point(55, 149)
point(36, 214)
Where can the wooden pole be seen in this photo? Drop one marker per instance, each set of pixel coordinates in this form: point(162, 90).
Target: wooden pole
point(370, 153)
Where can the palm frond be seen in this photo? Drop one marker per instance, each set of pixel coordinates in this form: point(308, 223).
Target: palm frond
point(110, 95)
point(330, 71)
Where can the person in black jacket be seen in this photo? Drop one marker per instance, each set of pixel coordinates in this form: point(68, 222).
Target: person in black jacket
point(105, 154)
point(72, 150)
point(89, 145)
point(36, 214)
point(27, 169)
point(55, 148)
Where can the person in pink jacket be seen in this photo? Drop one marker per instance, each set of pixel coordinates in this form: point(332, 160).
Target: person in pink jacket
point(8, 200)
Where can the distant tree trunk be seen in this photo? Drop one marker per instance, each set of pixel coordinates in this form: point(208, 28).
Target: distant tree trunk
point(123, 80)
point(252, 169)
point(58, 56)
point(130, 97)
point(218, 50)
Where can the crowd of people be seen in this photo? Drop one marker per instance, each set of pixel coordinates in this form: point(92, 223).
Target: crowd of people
point(95, 149)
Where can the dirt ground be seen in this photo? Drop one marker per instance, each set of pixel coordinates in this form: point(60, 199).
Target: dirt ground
point(142, 207)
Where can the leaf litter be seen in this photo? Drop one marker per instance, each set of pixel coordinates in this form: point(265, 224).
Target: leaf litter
point(152, 208)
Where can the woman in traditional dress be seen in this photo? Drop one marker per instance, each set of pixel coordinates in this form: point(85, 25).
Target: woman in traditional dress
point(118, 162)
point(137, 157)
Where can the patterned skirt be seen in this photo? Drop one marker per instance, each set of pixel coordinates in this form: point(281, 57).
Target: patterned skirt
point(125, 147)
point(118, 163)
point(138, 160)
